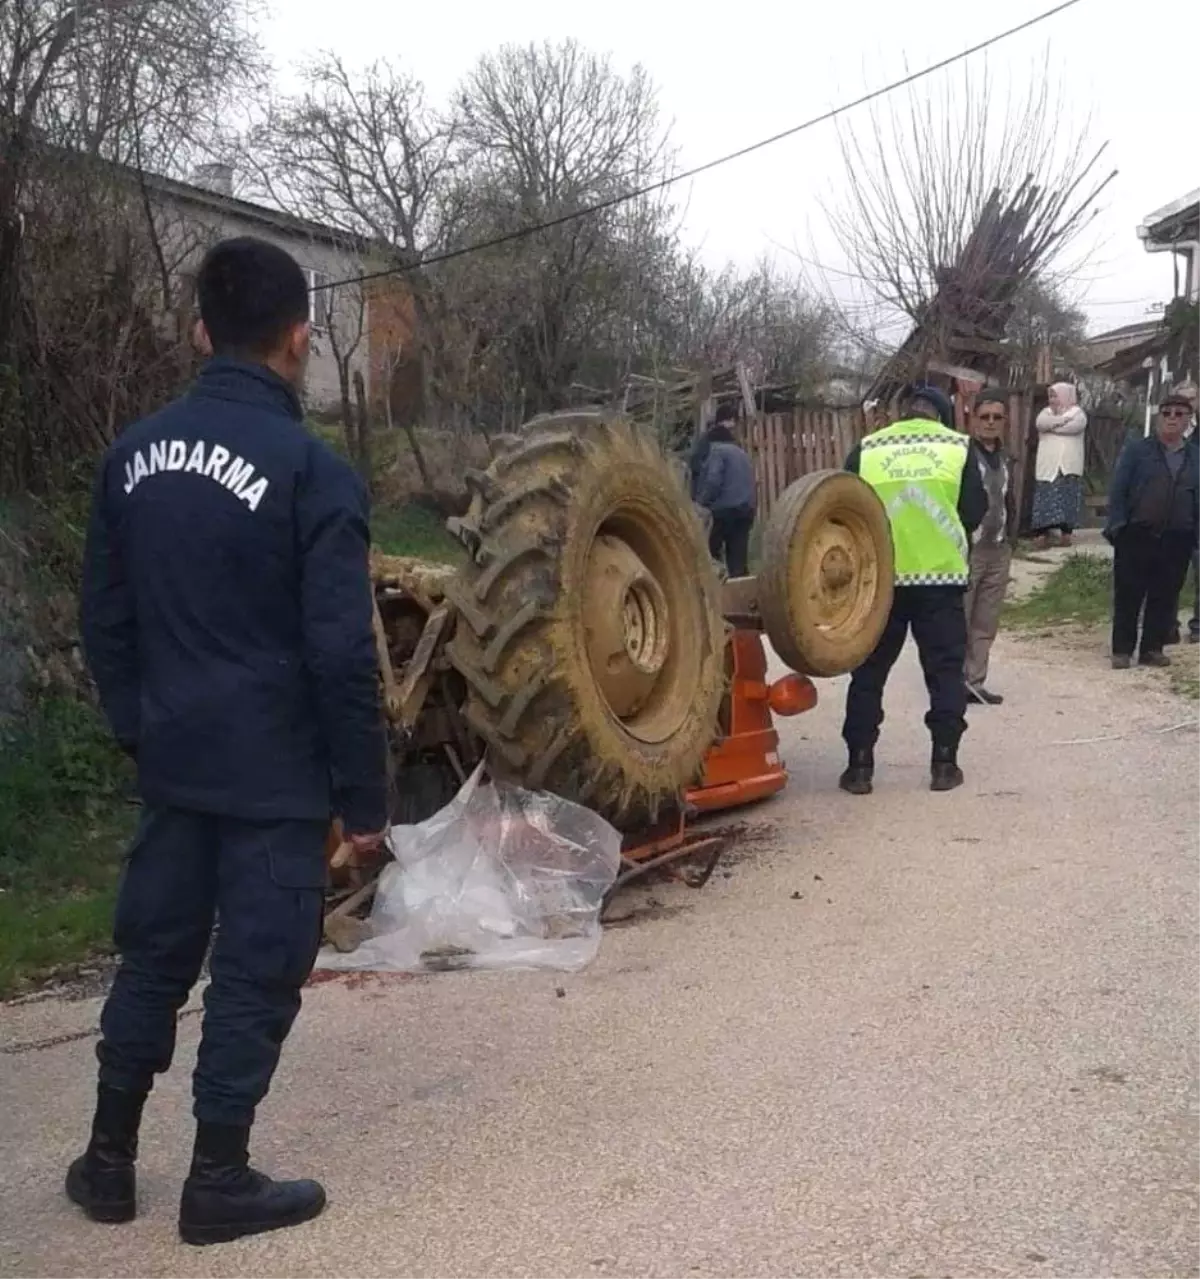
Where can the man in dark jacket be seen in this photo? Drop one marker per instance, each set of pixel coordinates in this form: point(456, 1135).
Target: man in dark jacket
point(226, 617)
point(1153, 525)
point(725, 415)
point(991, 543)
point(727, 492)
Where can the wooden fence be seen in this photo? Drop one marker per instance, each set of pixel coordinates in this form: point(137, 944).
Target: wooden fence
point(785, 446)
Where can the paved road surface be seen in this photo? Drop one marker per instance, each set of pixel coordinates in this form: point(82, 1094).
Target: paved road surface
point(908, 1035)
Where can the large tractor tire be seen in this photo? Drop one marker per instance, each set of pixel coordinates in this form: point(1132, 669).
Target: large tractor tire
point(825, 589)
point(589, 626)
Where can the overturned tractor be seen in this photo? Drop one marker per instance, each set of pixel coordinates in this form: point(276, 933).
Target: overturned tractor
point(588, 647)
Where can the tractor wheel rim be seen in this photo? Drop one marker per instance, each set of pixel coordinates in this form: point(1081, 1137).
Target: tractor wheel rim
point(628, 626)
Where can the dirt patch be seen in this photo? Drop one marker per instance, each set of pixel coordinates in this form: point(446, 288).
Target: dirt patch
point(627, 911)
point(748, 841)
point(373, 982)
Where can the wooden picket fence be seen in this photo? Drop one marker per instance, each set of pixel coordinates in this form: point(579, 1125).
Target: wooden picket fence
point(785, 446)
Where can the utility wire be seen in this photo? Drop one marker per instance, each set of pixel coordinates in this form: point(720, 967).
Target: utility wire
point(602, 206)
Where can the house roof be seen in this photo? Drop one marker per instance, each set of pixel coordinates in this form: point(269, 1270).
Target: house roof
point(1127, 364)
point(277, 219)
point(1138, 329)
point(1170, 223)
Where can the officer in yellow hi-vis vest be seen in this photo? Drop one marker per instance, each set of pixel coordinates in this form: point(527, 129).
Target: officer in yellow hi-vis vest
point(934, 501)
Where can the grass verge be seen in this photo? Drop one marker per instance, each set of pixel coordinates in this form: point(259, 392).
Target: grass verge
point(64, 825)
point(414, 529)
point(1079, 591)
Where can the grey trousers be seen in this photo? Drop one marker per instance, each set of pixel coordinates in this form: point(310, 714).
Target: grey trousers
point(985, 595)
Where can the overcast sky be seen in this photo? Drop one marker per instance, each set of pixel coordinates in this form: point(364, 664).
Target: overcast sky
point(728, 74)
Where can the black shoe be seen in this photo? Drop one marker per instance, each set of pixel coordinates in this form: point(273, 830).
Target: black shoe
point(1156, 658)
point(225, 1199)
point(858, 779)
point(977, 693)
point(102, 1181)
point(944, 772)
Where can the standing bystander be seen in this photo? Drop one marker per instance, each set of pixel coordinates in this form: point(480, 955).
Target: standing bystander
point(1058, 469)
point(991, 544)
point(1153, 523)
point(727, 492)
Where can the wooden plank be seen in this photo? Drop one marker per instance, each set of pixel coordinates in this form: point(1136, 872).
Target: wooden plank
point(791, 473)
point(760, 471)
point(768, 468)
point(781, 454)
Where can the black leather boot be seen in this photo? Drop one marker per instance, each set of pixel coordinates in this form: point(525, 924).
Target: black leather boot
point(945, 773)
point(224, 1198)
point(859, 776)
point(102, 1181)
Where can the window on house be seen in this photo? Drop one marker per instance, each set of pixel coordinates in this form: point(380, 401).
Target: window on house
point(320, 300)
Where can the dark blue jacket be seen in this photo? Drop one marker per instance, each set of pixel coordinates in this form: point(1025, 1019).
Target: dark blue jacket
point(227, 611)
point(727, 485)
point(1145, 491)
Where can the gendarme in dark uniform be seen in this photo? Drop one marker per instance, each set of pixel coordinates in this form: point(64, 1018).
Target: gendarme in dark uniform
point(227, 622)
point(935, 501)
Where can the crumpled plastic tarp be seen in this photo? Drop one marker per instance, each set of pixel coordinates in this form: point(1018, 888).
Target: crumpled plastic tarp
point(499, 878)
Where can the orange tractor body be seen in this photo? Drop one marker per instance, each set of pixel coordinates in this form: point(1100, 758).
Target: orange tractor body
point(744, 766)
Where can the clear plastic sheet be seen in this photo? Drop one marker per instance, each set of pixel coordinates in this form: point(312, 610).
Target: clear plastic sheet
point(499, 878)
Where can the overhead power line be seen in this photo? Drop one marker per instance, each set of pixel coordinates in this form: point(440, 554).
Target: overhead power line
point(602, 206)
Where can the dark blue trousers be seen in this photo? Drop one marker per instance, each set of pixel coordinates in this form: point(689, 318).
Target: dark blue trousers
point(937, 618)
point(262, 885)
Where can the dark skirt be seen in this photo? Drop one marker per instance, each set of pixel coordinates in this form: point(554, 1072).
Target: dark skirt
point(1056, 503)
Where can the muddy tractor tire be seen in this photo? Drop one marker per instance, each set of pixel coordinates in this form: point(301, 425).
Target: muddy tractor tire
point(825, 589)
point(589, 627)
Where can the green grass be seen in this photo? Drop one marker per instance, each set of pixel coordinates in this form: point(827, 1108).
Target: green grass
point(1078, 591)
point(64, 825)
point(414, 529)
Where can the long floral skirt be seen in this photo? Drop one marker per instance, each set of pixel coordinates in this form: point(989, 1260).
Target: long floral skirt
point(1056, 503)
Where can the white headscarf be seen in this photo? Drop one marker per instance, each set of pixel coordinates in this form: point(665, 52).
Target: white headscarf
point(1068, 395)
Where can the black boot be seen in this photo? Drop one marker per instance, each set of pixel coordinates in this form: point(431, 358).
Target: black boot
point(860, 774)
point(224, 1198)
point(102, 1180)
point(945, 773)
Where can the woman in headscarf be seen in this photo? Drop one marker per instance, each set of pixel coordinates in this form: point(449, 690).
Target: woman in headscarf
point(1058, 492)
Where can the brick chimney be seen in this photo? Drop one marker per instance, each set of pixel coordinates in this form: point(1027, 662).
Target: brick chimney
point(216, 177)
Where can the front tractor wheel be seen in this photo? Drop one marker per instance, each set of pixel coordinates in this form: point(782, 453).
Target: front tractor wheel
point(590, 632)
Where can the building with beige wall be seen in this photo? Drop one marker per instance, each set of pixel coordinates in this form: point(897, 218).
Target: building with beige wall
point(194, 215)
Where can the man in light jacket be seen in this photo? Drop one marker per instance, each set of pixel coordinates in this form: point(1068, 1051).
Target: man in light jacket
point(1058, 493)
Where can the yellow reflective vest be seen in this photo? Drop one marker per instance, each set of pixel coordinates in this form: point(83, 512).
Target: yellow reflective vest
point(916, 467)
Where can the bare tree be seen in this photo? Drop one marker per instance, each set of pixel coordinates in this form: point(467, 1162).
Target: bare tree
point(364, 153)
point(927, 173)
point(93, 94)
point(546, 131)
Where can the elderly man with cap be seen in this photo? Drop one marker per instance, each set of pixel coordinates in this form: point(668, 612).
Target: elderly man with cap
point(1153, 524)
point(931, 485)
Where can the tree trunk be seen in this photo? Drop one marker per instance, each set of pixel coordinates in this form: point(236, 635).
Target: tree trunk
point(409, 430)
point(362, 455)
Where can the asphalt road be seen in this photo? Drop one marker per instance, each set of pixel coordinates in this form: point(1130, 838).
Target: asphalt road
point(911, 1034)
